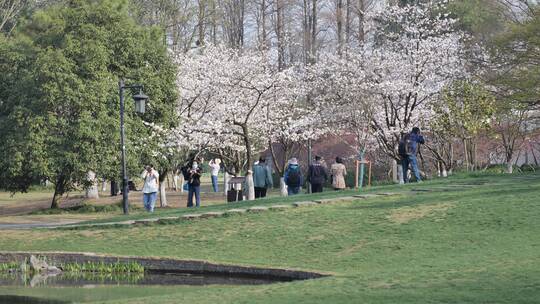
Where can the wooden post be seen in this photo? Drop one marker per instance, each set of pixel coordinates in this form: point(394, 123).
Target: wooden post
point(356, 174)
point(365, 162)
point(369, 177)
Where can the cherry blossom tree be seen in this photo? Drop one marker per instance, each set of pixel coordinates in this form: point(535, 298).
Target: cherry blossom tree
point(339, 85)
point(293, 119)
point(231, 101)
point(416, 53)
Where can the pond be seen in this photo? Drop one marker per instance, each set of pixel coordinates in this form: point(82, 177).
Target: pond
point(79, 288)
point(160, 277)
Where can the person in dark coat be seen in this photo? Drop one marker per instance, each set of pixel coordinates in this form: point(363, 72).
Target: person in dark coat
point(194, 183)
point(317, 175)
point(408, 148)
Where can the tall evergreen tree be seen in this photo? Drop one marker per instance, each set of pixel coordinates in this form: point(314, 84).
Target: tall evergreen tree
point(59, 93)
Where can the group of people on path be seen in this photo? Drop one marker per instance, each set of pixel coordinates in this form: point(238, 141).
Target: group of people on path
point(317, 174)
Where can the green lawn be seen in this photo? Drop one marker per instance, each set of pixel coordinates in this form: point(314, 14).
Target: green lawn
point(473, 244)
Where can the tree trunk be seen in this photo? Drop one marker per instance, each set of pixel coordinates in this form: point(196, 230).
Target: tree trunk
point(249, 158)
point(162, 195)
point(313, 51)
point(214, 22)
point(59, 189)
point(92, 191)
point(201, 22)
point(400, 173)
point(347, 23)
point(361, 14)
point(264, 35)
point(250, 186)
point(282, 187)
point(279, 34)
point(509, 167)
point(55, 200)
point(466, 154)
point(394, 166)
point(339, 25)
point(226, 183)
point(162, 188)
point(175, 182)
point(181, 182)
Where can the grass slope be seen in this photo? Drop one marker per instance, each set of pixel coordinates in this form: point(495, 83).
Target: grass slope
point(478, 243)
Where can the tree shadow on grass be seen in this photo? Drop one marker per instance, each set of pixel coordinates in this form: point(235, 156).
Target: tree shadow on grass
point(487, 195)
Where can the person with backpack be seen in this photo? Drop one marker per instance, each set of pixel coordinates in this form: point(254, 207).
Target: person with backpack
point(317, 175)
point(339, 171)
point(407, 149)
point(293, 177)
point(262, 178)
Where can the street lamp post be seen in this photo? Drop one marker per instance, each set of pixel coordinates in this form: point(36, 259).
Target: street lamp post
point(140, 108)
point(310, 162)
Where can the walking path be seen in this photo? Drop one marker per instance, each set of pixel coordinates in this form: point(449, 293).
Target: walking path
point(235, 210)
point(200, 215)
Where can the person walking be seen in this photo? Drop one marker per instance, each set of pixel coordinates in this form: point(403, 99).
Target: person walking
point(339, 172)
point(215, 167)
point(194, 185)
point(407, 150)
point(150, 188)
point(317, 175)
point(262, 178)
point(293, 177)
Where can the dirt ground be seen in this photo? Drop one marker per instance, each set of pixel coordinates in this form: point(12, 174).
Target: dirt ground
point(18, 209)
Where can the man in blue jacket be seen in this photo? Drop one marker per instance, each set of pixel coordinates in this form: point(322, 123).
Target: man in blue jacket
point(408, 148)
point(293, 177)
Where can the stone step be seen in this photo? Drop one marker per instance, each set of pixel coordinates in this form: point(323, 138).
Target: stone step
point(257, 209)
point(387, 194)
point(336, 200)
point(365, 196)
point(168, 219)
point(212, 214)
point(304, 204)
point(280, 207)
point(191, 216)
point(236, 211)
point(146, 221)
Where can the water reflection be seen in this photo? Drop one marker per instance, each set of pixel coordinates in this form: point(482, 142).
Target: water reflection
point(28, 300)
point(90, 280)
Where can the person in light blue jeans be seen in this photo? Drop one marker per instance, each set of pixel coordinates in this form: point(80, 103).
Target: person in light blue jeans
point(150, 188)
point(215, 166)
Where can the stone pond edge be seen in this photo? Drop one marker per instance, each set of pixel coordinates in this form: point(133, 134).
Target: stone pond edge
point(165, 264)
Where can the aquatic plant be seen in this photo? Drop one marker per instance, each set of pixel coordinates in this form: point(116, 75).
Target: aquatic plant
point(101, 267)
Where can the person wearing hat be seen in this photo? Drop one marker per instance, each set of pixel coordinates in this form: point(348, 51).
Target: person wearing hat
point(215, 166)
point(293, 177)
point(262, 178)
point(317, 175)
